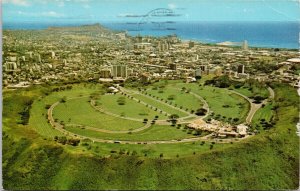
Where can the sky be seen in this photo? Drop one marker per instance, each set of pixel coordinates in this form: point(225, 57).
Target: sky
point(133, 10)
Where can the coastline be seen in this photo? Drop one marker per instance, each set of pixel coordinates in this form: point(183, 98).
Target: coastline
point(218, 39)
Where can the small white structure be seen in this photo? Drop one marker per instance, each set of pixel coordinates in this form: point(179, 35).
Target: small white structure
point(242, 129)
point(113, 89)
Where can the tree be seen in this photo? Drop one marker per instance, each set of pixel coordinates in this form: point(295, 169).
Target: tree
point(47, 106)
point(201, 112)
point(236, 119)
point(73, 142)
point(174, 116)
point(171, 97)
point(63, 100)
point(62, 140)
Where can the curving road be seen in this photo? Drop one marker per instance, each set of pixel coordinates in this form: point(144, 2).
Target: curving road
point(253, 106)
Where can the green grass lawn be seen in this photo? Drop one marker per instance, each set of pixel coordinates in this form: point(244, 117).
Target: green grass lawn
point(39, 122)
point(79, 111)
point(253, 91)
point(224, 103)
point(264, 113)
point(179, 97)
point(221, 101)
point(131, 108)
point(38, 111)
point(154, 133)
point(154, 150)
point(159, 105)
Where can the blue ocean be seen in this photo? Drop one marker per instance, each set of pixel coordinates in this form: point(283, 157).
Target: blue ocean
point(258, 34)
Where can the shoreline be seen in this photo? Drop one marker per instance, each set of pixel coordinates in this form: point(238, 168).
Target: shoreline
point(33, 26)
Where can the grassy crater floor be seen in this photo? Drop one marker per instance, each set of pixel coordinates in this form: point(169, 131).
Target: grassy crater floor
point(76, 109)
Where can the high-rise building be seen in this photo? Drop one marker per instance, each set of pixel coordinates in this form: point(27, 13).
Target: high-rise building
point(52, 54)
point(245, 45)
point(198, 73)
point(129, 72)
point(203, 68)
point(191, 44)
point(10, 66)
point(241, 69)
point(105, 73)
point(139, 39)
point(119, 71)
point(38, 58)
point(173, 66)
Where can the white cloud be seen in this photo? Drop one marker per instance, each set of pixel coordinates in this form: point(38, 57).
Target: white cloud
point(17, 2)
point(52, 14)
point(172, 6)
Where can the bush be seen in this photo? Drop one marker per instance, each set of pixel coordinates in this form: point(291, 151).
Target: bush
point(47, 106)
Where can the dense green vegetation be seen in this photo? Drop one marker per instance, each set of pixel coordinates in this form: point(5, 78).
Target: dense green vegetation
point(266, 161)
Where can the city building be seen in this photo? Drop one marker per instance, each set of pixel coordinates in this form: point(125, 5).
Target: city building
point(191, 44)
point(52, 54)
point(241, 69)
point(203, 68)
point(38, 58)
point(146, 46)
point(245, 45)
point(198, 73)
point(173, 66)
point(129, 72)
point(105, 73)
point(119, 71)
point(10, 66)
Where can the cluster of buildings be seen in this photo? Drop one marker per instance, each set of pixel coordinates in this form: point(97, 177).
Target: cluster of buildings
point(95, 53)
point(219, 129)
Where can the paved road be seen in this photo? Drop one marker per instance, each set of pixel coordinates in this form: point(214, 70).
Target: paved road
point(147, 125)
point(271, 92)
point(253, 106)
